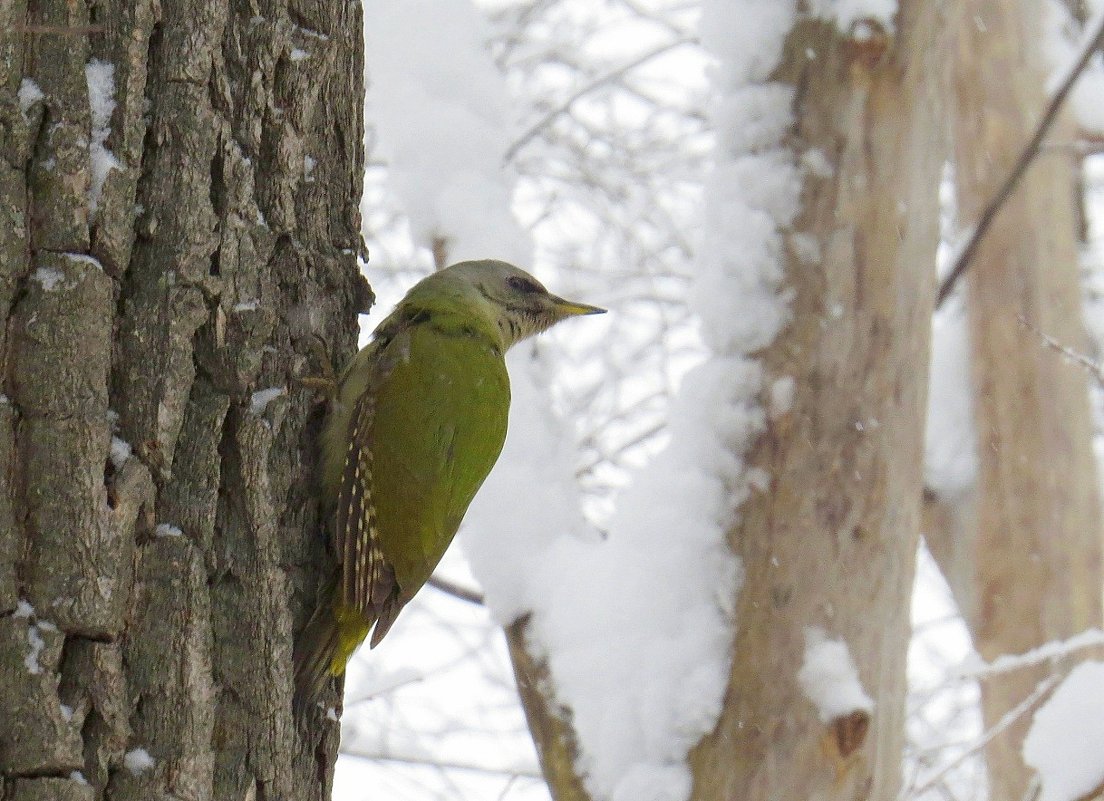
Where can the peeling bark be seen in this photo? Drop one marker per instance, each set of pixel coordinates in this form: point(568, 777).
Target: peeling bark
point(159, 538)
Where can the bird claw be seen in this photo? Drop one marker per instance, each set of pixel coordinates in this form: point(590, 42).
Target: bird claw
point(326, 383)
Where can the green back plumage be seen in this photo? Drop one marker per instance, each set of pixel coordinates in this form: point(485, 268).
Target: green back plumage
point(439, 425)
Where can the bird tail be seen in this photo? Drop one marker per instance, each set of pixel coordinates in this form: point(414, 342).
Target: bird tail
point(315, 649)
point(323, 649)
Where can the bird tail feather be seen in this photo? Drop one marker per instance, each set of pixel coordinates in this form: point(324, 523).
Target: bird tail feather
point(314, 655)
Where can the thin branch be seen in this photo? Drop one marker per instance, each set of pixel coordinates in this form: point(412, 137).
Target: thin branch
point(1027, 155)
point(456, 590)
point(1080, 359)
point(1011, 716)
point(564, 107)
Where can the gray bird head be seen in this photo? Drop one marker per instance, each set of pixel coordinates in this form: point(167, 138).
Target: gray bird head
point(516, 302)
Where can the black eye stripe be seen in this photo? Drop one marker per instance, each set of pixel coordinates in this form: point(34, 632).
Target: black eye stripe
point(522, 284)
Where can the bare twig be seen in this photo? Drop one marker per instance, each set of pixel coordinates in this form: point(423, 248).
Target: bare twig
point(1042, 689)
point(606, 78)
point(1093, 367)
point(456, 591)
point(1027, 155)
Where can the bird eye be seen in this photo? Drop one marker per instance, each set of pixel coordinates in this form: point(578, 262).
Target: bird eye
point(520, 284)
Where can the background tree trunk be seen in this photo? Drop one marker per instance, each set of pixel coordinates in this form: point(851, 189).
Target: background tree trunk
point(148, 593)
point(831, 543)
point(1023, 553)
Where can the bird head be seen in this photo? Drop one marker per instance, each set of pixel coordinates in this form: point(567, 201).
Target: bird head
point(515, 302)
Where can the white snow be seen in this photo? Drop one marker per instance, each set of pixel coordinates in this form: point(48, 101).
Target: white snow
point(816, 162)
point(260, 399)
point(100, 76)
point(23, 609)
point(168, 530)
point(309, 163)
point(805, 247)
point(636, 627)
point(1063, 39)
point(1065, 744)
point(48, 277)
point(78, 777)
point(29, 94)
point(246, 305)
point(84, 258)
point(138, 760)
point(120, 452)
point(66, 712)
point(781, 396)
point(950, 442)
point(298, 54)
point(36, 643)
point(848, 13)
point(829, 679)
point(1047, 652)
point(439, 107)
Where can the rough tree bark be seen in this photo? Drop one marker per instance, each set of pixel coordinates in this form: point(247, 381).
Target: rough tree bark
point(148, 594)
point(1022, 553)
point(831, 543)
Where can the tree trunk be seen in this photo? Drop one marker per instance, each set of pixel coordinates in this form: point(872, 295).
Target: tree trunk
point(830, 544)
point(1024, 555)
point(179, 223)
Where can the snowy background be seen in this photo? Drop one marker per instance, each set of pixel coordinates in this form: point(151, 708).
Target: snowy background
point(624, 152)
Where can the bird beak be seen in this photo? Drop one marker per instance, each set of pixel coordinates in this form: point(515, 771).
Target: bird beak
point(569, 308)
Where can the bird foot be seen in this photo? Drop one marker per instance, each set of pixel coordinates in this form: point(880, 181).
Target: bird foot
point(326, 383)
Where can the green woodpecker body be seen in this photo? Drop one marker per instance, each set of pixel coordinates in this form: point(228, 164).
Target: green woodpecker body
point(417, 422)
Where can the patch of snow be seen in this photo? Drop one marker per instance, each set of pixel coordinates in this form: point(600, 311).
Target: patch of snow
point(298, 54)
point(138, 760)
point(260, 399)
point(781, 396)
point(1065, 744)
point(829, 679)
point(29, 94)
point(23, 609)
point(441, 111)
point(100, 76)
point(36, 643)
point(168, 530)
point(84, 258)
point(805, 246)
point(817, 163)
point(120, 452)
point(48, 277)
point(950, 441)
point(1063, 39)
point(850, 14)
point(1047, 652)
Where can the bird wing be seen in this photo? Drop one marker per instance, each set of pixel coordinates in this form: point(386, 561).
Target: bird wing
point(367, 578)
point(424, 436)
